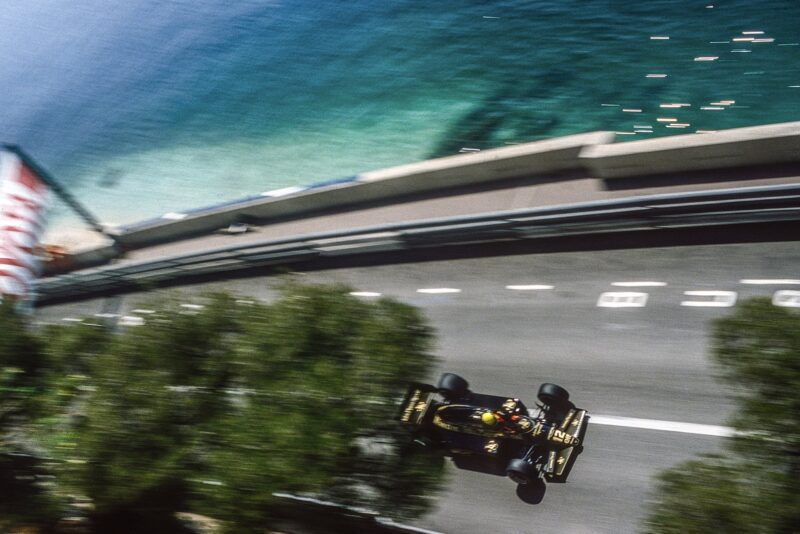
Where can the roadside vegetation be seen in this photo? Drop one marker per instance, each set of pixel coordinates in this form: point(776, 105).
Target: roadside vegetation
point(754, 485)
point(211, 409)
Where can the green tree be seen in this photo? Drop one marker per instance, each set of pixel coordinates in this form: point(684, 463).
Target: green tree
point(755, 486)
point(23, 369)
point(154, 388)
point(216, 407)
point(319, 380)
point(23, 365)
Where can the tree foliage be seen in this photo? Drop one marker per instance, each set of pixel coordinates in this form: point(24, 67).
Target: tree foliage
point(216, 407)
point(755, 486)
point(23, 367)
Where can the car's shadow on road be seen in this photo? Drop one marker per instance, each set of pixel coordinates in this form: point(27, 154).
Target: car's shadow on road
point(532, 493)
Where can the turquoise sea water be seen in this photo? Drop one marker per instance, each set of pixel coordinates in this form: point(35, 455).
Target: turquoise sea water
point(147, 106)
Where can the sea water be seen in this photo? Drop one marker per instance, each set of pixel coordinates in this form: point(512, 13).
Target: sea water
point(142, 107)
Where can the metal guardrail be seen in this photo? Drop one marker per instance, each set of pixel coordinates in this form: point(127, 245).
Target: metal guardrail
point(720, 207)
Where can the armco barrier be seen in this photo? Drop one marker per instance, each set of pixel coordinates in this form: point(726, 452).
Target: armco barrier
point(732, 206)
point(529, 159)
point(739, 147)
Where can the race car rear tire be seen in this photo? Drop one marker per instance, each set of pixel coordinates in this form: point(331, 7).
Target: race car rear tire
point(553, 395)
point(521, 472)
point(452, 386)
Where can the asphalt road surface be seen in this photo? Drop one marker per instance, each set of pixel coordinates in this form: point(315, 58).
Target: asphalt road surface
point(636, 359)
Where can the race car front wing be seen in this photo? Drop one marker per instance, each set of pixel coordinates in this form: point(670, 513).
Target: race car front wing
point(560, 461)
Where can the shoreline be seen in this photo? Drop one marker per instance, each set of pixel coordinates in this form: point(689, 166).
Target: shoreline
point(73, 239)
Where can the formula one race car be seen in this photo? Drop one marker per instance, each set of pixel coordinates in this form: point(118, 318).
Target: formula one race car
point(497, 434)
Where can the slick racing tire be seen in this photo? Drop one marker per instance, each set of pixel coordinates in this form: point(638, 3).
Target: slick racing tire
point(521, 472)
point(452, 386)
point(553, 395)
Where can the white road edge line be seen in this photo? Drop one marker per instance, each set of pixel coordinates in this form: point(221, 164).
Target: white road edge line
point(666, 426)
point(655, 424)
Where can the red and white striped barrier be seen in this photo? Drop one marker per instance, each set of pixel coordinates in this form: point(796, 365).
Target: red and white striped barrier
point(23, 199)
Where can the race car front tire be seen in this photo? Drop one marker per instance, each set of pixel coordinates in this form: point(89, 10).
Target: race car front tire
point(553, 395)
point(521, 472)
point(452, 386)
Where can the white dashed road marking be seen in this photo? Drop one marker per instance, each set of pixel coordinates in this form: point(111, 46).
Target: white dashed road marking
point(131, 320)
point(365, 294)
point(531, 287)
point(622, 299)
point(768, 281)
point(438, 290)
point(786, 298)
point(643, 283)
point(716, 299)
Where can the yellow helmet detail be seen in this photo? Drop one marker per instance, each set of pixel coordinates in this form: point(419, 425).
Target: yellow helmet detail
point(488, 418)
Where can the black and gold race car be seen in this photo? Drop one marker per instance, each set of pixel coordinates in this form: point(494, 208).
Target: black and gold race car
point(497, 434)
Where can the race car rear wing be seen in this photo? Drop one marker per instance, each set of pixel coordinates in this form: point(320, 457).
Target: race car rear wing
point(416, 403)
point(560, 462)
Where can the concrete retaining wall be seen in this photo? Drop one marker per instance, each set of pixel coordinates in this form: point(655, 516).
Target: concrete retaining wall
point(739, 147)
point(593, 152)
point(542, 157)
point(529, 159)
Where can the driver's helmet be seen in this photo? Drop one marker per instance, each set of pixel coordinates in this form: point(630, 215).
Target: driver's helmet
point(489, 419)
